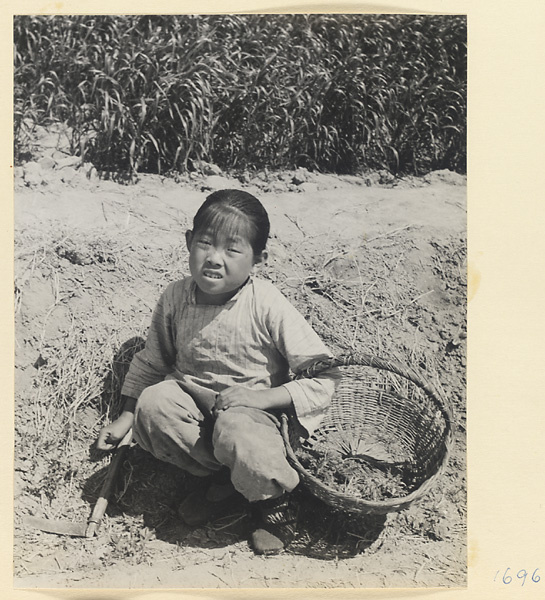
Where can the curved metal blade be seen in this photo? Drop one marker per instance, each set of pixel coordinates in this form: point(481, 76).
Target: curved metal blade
point(59, 527)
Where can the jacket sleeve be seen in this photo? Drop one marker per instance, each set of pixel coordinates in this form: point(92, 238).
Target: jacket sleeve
point(301, 346)
point(157, 359)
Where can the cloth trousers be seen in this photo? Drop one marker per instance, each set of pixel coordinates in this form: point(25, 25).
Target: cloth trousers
point(169, 424)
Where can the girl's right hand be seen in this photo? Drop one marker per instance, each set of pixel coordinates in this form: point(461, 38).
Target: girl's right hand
point(112, 434)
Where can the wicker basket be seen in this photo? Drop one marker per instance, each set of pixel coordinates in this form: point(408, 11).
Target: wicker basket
point(376, 402)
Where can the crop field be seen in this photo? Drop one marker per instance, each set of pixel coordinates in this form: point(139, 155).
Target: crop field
point(342, 94)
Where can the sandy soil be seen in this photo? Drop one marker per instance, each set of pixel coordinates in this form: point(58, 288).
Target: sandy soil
point(386, 259)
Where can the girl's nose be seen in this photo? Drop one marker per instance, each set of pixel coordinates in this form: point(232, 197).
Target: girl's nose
point(213, 256)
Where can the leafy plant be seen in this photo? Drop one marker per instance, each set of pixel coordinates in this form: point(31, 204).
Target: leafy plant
point(337, 93)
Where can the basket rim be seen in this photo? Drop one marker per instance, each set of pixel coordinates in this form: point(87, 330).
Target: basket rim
point(367, 360)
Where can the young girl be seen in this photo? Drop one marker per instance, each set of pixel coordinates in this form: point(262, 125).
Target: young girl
point(205, 392)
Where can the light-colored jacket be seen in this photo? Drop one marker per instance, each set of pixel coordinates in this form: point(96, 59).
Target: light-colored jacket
point(253, 341)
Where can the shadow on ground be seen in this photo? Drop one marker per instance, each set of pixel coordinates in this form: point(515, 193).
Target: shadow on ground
point(152, 490)
point(111, 390)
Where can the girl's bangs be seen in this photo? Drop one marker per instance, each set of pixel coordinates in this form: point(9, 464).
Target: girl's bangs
point(226, 223)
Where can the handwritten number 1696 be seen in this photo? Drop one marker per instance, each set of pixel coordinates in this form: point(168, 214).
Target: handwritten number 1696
point(521, 575)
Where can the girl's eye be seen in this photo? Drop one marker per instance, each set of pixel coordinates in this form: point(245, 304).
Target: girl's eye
point(234, 250)
point(204, 242)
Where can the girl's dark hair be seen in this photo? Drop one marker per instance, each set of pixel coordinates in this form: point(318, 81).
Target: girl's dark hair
point(225, 209)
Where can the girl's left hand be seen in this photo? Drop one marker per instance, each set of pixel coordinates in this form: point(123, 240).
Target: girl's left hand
point(234, 396)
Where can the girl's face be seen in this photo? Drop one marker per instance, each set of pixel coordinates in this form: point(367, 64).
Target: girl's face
point(219, 264)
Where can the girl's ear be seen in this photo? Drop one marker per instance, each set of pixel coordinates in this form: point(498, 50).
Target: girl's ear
point(188, 238)
point(261, 258)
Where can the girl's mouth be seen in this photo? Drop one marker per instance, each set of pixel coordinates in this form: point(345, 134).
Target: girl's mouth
point(212, 275)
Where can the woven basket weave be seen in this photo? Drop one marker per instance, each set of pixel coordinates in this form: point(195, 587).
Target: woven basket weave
point(376, 402)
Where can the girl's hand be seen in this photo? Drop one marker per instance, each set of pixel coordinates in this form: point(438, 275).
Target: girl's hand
point(274, 398)
point(112, 434)
point(235, 396)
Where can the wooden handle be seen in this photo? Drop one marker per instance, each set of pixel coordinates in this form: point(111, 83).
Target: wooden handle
point(107, 486)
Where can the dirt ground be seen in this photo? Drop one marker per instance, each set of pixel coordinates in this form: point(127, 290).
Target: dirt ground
point(375, 263)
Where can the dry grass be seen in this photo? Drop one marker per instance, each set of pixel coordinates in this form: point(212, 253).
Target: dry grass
point(353, 307)
point(79, 333)
point(82, 341)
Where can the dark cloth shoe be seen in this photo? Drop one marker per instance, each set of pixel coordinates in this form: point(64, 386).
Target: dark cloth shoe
point(214, 496)
point(276, 527)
